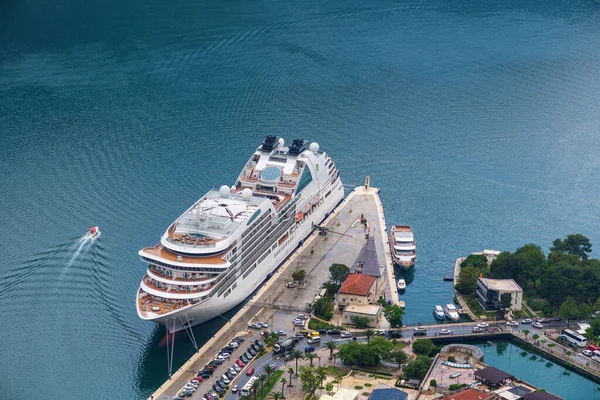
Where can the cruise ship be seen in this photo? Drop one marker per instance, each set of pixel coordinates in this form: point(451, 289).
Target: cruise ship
point(403, 246)
point(223, 247)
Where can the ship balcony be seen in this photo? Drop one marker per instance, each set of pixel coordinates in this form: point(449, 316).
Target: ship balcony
point(150, 307)
point(179, 292)
point(161, 254)
point(405, 246)
point(193, 279)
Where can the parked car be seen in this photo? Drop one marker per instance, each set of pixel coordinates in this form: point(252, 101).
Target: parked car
point(333, 332)
point(262, 324)
point(302, 316)
point(395, 334)
point(512, 323)
point(254, 325)
point(244, 359)
point(538, 325)
point(445, 332)
point(315, 339)
point(208, 396)
point(252, 352)
point(309, 349)
point(225, 355)
point(304, 332)
point(254, 347)
point(240, 363)
point(281, 332)
point(237, 368)
point(238, 339)
point(345, 334)
point(526, 321)
point(587, 353)
point(250, 371)
point(219, 359)
point(299, 336)
point(299, 322)
point(234, 345)
point(322, 331)
point(235, 389)
point(213, 393)
point(229, 375)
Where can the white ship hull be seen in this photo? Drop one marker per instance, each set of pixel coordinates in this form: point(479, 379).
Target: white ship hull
point(215, 306)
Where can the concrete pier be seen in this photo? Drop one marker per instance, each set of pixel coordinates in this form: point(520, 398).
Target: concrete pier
point(277, 304)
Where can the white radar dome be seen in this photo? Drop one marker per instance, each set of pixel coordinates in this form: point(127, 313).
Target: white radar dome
point(314, 147)
point(246, 194)
point(281, 142)
point(224, 190)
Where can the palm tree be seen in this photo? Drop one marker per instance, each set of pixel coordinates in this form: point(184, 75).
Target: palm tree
point(311, 357)
point(283, 382)
point(369, 333)
point(255, 386)
point(321, 375)
point(335, 356)
point(331, 346)
point(262, 378)
point(297, 354)
point(269, 369)
point(291, 372)
point(276, 395)
point(525, 332)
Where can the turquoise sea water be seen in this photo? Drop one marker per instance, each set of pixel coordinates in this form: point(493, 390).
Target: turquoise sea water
point(478, 119)
point(540, 372)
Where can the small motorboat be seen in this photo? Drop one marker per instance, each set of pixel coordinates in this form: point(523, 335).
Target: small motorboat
point(93, 232)
point(401, 304)
point(401, 284)
point(438, 313)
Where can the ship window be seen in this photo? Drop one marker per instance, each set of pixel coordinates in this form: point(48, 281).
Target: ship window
point(305, 179)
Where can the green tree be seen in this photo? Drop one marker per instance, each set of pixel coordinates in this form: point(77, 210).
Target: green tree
point(399, 357)
point(422, 346)
point(381, 346)
point(596, 306)
point(311, 357)
point(332, 288)
point(283, 382)
point(276, 395)
point(532, 261)
point(535, 336)
point(505, 300)
point(255, 387)
point(323, 309)
point(417, 369)
point(393, 314)
point(595, 326)
point(355, 353)
point(584, 310)
point(291, 370)
point(360, 322)
point(338, 273)
point(329, 387)
point(479, 261)
point(299, 275)
point(467, 278)
point(269, 369)
point(309, 380)
point(568, 309)
point(525, 332)
point(321, 374)
point(369, 333)
point(297, 355)
point(331, 346)
point(576, 244)
point(262, 378)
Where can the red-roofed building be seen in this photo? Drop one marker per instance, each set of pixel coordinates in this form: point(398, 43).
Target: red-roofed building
point(357, 289)
point(470, 394)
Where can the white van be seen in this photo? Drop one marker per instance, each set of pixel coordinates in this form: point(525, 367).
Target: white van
point(315, 339)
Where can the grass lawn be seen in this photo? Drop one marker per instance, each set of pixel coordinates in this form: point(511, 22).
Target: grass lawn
point(315, 324)
point(333, 370)
point(268, 386)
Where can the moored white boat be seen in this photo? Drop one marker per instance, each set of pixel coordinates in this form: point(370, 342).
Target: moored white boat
point(438, 313)
point(451, 312)
point(401, 284)
point(403, 246)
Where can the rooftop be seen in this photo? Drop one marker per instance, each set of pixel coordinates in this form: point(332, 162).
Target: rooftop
point(468, 394)
point(367, 309)
point(501, 285)
point(492, 375)
point(540, 396)
point(357, 284)
point(381, 391)
point(367, 261)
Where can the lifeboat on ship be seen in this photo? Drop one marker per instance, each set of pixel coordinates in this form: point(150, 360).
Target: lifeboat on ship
point(299, 217)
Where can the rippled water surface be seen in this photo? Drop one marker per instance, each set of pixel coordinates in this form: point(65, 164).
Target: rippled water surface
point(478, 119)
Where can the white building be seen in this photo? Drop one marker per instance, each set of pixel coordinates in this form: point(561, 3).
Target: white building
point(489, 292)
point(371, 311)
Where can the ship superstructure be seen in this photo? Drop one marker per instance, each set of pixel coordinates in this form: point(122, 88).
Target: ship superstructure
point(403, 246)
point(224, 246)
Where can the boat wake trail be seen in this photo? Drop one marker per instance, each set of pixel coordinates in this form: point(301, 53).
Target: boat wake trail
point(80, 248)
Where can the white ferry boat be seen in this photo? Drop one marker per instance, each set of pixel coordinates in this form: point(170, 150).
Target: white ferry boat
point(223, 247)
point(451, 312)
point(403, 246)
